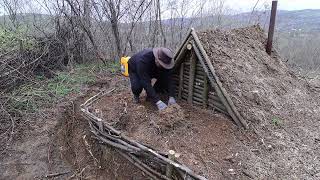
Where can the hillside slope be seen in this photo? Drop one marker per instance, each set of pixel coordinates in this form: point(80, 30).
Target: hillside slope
point(281, 108)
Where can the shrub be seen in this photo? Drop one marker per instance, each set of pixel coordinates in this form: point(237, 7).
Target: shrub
point(15, 40)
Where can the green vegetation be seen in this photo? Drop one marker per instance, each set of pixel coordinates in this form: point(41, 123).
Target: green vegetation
point(43, 91)
point(14, 40)
point(276, 121)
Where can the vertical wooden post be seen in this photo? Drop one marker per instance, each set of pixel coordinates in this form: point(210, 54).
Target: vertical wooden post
point(169, 168)
point(180, 81)
point(205, 92)
point(271, 26)
point(192, 73)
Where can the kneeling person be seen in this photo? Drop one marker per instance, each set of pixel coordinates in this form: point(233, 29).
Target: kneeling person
point(152, 63)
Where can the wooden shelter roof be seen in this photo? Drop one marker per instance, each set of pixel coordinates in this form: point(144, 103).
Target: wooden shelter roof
point(192, 42)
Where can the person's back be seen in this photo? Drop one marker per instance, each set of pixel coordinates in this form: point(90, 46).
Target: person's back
point(152, 63)
point(142, 58)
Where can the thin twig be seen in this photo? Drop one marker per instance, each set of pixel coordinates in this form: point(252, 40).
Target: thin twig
point(56, 174)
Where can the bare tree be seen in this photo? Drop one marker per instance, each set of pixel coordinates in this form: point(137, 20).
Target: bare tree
point(11, 7)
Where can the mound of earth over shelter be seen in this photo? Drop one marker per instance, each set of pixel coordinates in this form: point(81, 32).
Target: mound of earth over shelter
point(282, 108)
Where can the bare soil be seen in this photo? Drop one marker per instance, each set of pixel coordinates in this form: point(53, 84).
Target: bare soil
point(282, 108)
point(57, 144)
point(32, 154)
point(209, 143)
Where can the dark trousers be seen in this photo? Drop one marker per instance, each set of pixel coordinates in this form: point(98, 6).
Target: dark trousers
point(160, 85)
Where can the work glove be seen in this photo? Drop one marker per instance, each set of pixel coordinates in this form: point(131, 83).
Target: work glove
point(171, 101)
point(161, 105)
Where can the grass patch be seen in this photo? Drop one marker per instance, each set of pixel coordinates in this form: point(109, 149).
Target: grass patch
point(31, 96)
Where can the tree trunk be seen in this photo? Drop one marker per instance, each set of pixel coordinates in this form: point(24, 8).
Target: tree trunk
point(115, 28)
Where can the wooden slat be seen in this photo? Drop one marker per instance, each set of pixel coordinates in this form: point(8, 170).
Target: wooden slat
point(186, 87)
point(184, 95)
point(199, 67)
point(199, 85)
point(200, 76)
point(196, 102)
point(200, 73)
point(214, 97)
point(185, 90)
point(218, 109)
point(198, 90)
point(205, 92)
point(191, 76)
point(217, 104)
point(197, 95)
point(200, 81)
point(197, 99)
point(180, 80)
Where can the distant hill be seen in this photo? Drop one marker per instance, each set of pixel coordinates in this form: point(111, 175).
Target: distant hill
point(303, 20)
point(307, 20)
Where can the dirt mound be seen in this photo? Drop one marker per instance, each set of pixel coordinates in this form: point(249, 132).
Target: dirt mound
point(171, 116)
point(281, 107)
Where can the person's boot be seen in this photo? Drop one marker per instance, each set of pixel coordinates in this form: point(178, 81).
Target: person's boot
point(136, 99)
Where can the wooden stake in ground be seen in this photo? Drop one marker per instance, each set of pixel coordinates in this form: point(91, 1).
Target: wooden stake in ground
point(271, 26)
point(169, 168)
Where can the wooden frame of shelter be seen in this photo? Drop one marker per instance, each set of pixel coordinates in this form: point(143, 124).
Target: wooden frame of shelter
point(196, 80)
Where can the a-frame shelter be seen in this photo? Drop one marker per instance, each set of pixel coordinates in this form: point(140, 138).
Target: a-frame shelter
point(196, 81)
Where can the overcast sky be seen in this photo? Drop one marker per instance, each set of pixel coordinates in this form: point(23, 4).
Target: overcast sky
point(246, 5)
point(237, 6)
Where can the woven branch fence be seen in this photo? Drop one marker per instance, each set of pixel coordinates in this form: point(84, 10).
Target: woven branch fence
point(155, 164)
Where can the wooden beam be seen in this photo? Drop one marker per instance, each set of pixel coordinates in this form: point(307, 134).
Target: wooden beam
point(184, 42)
point(205, 92)
point(180, 80)
point(218, 109)
point(182, 48)
point(180, 57)
point(192, 73)
point(169, 167)
point(189, 46)
point(213, 97)
point(271, 26)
